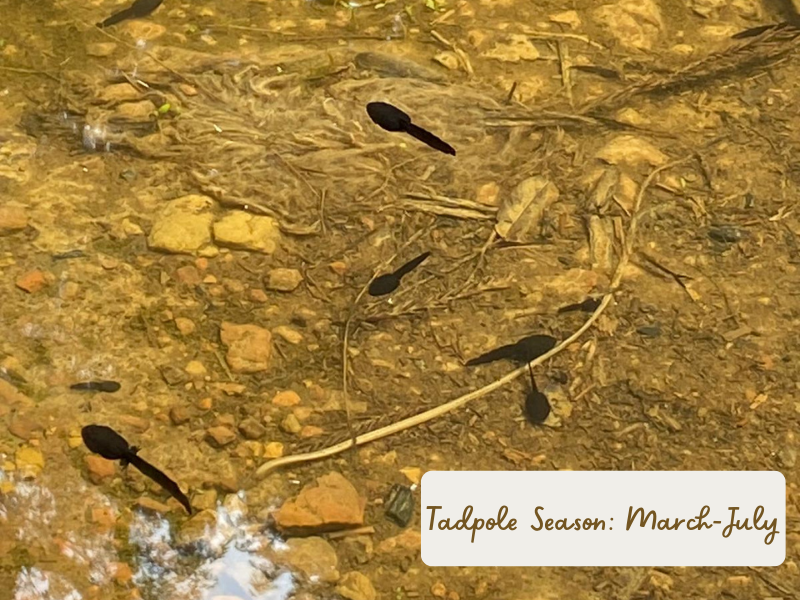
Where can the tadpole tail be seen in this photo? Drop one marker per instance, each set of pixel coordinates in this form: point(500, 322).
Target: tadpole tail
point(426, 137)
point(116, 18)
point(161, 479)
point(411, 265)
point(500, 353)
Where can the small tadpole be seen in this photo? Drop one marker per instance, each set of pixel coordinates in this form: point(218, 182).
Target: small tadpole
point(589, 305)
point(386, 284)
point(522, 351)
point(96, 386)
point(137, 10)
point(391, 118)
point(537, 407)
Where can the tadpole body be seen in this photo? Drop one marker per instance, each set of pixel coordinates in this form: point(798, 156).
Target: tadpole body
point(393, 119)
point(137, 10)
point(386, 284)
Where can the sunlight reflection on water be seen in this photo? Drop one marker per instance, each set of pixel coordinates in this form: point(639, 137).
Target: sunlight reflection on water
point(226, 562)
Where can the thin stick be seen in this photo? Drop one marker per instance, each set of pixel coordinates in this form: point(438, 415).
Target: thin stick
point(353, 308)
point(447, 407)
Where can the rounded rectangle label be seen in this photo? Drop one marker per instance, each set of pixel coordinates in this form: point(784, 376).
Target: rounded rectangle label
point(603, 518)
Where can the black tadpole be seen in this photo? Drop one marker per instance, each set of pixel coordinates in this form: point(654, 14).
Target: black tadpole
point(96, 386)
point(523, 351)
point(391, 118)
point(588, 305)
point(110, 445)
point(137, 10)
point(537, 407)
point(386, 284)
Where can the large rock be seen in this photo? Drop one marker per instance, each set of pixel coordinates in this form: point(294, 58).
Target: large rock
point(356, 586)
point(183, 226)
point(330, 505)
point(240, 229)
point(249, 347)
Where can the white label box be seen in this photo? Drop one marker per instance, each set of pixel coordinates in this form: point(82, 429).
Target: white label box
point(603, 518)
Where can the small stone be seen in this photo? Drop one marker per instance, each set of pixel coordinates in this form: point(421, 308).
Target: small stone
point(12, 219)
point(333, 503)
point(122, 573)
point(249, 347)
point(449, 60)
point(206, 500)
point(103, 516)
point(409, 540)
point(568, 17)
point(631, 151)
point(259, 296)
point(189, 275)
point(252, 429)
point(179, 415)
point(25, 428)
point(234, 504)
point(154, 506)
point(11, 396)
point(205, 404)
point(196, 369)
point(243, 230)
point(185, 326)
point(287, 333)
point(284, 280)
point(339, 267)
point(291, 425)
point(273, 450)
point(488, 194)
point(413, 474)
point(142, 30)
point(439, 590)
point(101, 49)
point(220, 436)
point(99, 468)
point(33, 281)
point(137, 423)
point(356, 586)
point(310, 431)
point(195, 530)
point(312, 556)
point(29, 461)
point(183, 226)
point(286, 398)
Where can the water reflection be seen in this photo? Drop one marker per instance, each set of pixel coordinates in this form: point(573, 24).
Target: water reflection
point(222, 559)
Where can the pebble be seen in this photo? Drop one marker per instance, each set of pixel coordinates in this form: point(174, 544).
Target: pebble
point(196, 369)
point(410, 540)
point(99, 468)
point(249, 347)
point(179, 415)
point(252, 429)
point(12, 219)
point(29, 462)
point(183, 226)
point(220, 436)
point(314, 557)
point(234, 504)
point(11, 396)
point(259, 296)
point(188, 275)
point(103, 516)
point(273, 450)
point(291, 425)
point(138, 424)
point(185, 326)
point(332, 503)
point(33, 281)
point(635, 24)
point(631, 151)
point(488, 194)
point(243, 230)
point(310, 431)
point(194, 531)
point(284, 280)
point(286, 398)
point(356, 586)
point(206, 500)
point(101, 49)
point(438, 590)
point(154, 506)
point(287, 333)
point(122, 573)
point(25, 428)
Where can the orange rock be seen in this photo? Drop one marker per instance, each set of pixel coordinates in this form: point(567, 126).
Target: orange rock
point(333, 503)
point(104, 516)
point(410, 539)
point(339, 267)
point(122, 572)
point(12, 219)
point(310, 431)
point(33, 281)
point(188, 275)
point(286, 398)
point(99, 468)
point(249, 347)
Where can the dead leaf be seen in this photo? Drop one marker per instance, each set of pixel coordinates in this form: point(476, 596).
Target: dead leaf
point(520, 215)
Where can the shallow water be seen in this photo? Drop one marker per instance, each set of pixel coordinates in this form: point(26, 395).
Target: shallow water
point(256, 109)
